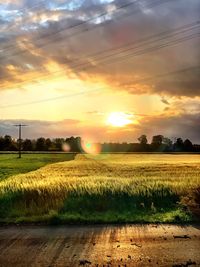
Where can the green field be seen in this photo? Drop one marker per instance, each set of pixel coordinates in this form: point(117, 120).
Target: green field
point(10, 164)
point(103, 188)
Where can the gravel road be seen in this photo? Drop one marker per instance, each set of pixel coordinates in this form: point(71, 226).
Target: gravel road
point(70, 246)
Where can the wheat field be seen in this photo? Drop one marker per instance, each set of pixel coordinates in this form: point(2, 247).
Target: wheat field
point(103, 188)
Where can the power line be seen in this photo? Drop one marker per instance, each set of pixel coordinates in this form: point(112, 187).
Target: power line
point(125, 16)
point(132, 52)
point(32, 9)
point(152, 49)
point(166, 74)
point(51, 99)
point(130, 46)
point(22, 10)
point(168, 33)
point(138, 53)
point(98, 89)
point(149, 5)
point(86, 21)
point(121, 49)
point(20, 137)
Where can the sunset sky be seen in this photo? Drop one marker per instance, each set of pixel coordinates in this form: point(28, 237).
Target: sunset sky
point(101, 69)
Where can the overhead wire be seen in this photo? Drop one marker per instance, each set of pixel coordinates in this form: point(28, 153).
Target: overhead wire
point(140, 52)
point(150, 5)
point(81, 23)
point(128, 56)
point(134, 51)
point(161, 75)
point(34, 8)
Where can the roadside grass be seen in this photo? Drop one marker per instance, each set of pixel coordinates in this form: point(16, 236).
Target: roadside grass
point(10, 164)
point(177, 216)
point(103, 189)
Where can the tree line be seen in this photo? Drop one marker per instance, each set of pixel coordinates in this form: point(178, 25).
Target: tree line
point(159, 143)
point(7, 143)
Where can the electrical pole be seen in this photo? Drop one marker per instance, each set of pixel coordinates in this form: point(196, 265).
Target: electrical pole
point(20, 137)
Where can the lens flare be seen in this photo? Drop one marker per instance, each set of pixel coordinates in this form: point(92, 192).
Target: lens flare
point(90, 147)
point(66, 147)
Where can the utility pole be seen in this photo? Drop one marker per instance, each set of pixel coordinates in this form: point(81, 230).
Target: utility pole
point(20, 137)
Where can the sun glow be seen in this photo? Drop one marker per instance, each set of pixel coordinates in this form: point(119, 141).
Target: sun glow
point(119, 119)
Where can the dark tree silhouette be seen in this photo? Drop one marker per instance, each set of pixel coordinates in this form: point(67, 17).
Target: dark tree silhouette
point(157, 140)
point(73, 144)
point(40, 144)
point(48, 144)
point(178, 145)
point(167, 144)
point(188, 146)
point(58, 143)
point(156, 144)
point(27, 145)
point(143, 139)
point(142, 146)
point(1, 143)
point(7, 143)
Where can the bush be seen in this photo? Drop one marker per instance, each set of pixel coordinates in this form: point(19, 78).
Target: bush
point(192, 202)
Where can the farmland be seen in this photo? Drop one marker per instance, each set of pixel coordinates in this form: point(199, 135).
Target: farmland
point(104, 188)
point(11, 165)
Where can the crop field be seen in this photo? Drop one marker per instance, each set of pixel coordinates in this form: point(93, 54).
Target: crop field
point(111, 188)
point(11, 165)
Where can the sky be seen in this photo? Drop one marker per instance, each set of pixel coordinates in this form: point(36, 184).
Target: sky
point(105, 70)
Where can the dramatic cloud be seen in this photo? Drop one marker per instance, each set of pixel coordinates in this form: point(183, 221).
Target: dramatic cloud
point(173, 126)
point(183, 125)
point(128, 44)
point(142, 56)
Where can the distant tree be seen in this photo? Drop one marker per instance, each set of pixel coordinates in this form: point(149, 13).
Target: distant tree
point(48, 144)
point(105, 147)
point(58, 143)
point(74, 143)
point(115, 147)
point(188, 146)
point(33, 141)
point(1, 143)
point(124, 147)
point(157, 139)
point(7, 142)
point(27, 145)
point(40, 144)
point(168, 144)
point(142, 146)
point(179, 141)
point(143, 139)
point(156, 144)
point(179, 145)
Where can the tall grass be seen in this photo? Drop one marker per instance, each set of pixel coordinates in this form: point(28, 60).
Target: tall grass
point(10, 164)
point(103, 188)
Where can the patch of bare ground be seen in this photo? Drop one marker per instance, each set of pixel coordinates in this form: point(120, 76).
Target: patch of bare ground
point(71, 246)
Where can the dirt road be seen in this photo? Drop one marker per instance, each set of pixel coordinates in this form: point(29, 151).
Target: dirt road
point(69, 246)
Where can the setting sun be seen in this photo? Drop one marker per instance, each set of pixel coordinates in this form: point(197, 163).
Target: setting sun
point(119, 119)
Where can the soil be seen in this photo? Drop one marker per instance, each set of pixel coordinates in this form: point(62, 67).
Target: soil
point(112, 245)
